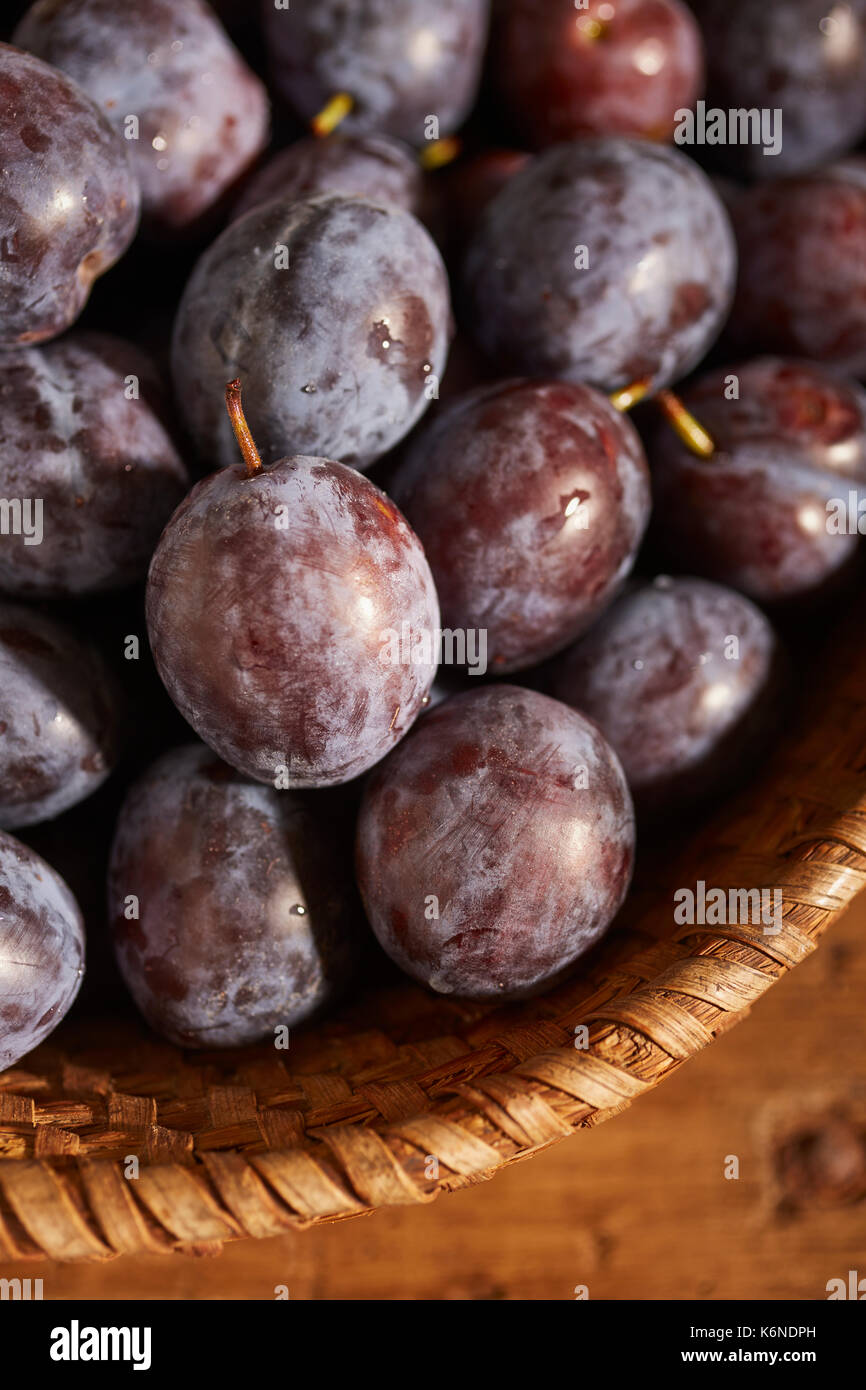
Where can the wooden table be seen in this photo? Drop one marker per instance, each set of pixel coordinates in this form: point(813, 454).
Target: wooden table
point(638, 1208)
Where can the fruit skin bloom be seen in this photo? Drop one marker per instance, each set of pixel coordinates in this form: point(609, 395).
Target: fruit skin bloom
point(266, 603)
point(246, 920)
point(399, 60)
point(202, 114)
point(336, 313)
point(530, 499)
point(41, 950)
point(496, 844)
point(603, 261)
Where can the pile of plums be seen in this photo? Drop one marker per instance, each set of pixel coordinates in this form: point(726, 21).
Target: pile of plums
point(303, 621)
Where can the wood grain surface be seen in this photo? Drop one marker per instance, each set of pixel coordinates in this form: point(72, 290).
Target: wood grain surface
point(637, 1208)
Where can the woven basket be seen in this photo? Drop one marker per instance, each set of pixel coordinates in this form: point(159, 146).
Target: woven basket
point(403, 1094)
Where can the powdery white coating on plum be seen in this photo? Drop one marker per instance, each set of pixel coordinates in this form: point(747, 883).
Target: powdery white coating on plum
point(530, 499)
point(660, 273)
point(41, 950)
point(58, 718)
point(483, 809)
point(400, 60)
point(244, 921)
point(656, 675)
point(804, 57)
point(70, 198)
point(561, 79)
point(334, 349)
point(359, 166)
point(270, 640)
point(203, 115)
point(755, 514)
point(802, 280)
point(103, 466)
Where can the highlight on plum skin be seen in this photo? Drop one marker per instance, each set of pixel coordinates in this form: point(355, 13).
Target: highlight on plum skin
point(41, 950)
point(59, 717)
point(686, 679)
point(530, 499)
point(231, 905)
point(495, 844)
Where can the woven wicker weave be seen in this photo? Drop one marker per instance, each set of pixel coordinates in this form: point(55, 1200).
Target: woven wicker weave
point(352, 1117)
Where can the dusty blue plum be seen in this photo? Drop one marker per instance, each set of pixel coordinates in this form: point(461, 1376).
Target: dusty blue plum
point(805, 58)
point(401, 61)
point(607, 261)
point(202, 114)
point(246, 919)
point(335, 313)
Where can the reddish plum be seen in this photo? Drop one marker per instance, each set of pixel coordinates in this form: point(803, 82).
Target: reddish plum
point(598, 69)
point(802, 281)
point(495, 845)
point(530, 499)
point(58, 718)
point(401, 61)
point(683, 678)
point(230, 903)
point(70, 198)
point(606, 261)
point(761, 514)
point(268, 603)
point(335, 311)
point(202, 115)
point(80, 430)
point(41, 950)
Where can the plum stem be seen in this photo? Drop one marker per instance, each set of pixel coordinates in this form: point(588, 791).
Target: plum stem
point(631, 395)
point(683, 422)
point(437, 153)
point(332, 113)
point(252, 457)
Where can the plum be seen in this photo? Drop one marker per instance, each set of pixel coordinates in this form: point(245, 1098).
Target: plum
point(41, 950)
point(606, 261)
point(401, 61)
point(82, 434)
point(530, 499)
point(230, 903)
point(760, 514)
point(336, 313)
point(70, 198)
point(202, 115)
point(685, 679)
point(59, 717)
point(495, 844)
point(270, 601)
